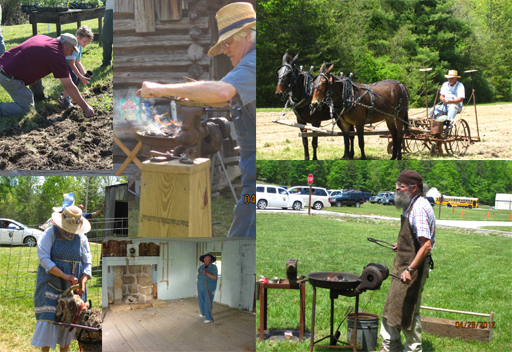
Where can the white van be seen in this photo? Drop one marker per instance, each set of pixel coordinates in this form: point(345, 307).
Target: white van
point(277, 197)
point(320, 198)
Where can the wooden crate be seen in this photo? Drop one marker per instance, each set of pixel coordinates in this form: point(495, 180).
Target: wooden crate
point(454, 328)
point(175, 199)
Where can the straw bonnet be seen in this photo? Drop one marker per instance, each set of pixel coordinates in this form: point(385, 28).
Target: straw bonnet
point(201, 258)
point(452, 73)
point(71, 220)
point(232, 19)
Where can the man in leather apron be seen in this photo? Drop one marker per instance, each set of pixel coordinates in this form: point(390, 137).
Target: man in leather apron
point(412, 262)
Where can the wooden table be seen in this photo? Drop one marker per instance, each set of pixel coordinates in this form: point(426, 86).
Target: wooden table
point(69, 16)
point(263, 305)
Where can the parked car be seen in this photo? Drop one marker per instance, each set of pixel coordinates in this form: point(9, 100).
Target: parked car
point(13, 232)
point(378, 198)
point(366, 196)
point(431, 201)
point(349, 198)
point(388, 200)
point(320, 198)
point(277, 197)
point(334, 192)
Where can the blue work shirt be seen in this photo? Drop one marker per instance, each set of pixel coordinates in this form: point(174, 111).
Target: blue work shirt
point(243, 105)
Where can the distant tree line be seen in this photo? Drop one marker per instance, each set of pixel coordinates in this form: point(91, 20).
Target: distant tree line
point(30, 199)
point(482, 179)
point(390, 39)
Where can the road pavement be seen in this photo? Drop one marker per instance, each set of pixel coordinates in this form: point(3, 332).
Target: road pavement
point(467, 224)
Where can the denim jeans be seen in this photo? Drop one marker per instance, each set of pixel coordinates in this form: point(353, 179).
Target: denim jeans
point(22, 96)
point(244, 223)
point(449, 109)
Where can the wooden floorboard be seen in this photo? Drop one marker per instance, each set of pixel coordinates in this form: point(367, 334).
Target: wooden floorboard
point(178, 327)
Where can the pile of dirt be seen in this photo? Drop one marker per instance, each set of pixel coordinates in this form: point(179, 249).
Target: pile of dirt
point(59, 138)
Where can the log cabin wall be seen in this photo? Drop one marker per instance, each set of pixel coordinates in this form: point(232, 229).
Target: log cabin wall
point(161, 41)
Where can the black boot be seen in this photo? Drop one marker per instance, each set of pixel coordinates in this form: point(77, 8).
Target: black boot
point(40, 97)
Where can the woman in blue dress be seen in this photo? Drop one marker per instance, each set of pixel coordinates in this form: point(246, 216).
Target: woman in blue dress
point(64, 259)
point(206, 285)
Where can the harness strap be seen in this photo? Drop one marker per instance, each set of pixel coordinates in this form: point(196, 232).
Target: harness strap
point(77, 315)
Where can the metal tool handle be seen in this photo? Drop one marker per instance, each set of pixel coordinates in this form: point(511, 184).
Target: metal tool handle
point(381, 243)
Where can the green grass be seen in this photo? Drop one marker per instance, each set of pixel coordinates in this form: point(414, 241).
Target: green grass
point(92, 56)
point(479, 214)
point(498, 228)
point(223, 210)
point(280, 109)
point(18, 268)
point(472, 273)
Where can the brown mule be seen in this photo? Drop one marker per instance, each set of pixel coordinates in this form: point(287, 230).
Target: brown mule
point(359, 104)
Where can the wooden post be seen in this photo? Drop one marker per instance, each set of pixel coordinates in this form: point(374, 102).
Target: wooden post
point(144, 16)
point(168, 10)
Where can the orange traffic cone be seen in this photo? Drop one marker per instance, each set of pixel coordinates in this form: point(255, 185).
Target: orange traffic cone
point(488, 215)
point(510, 216)
point(453, 210)
point(462, 213)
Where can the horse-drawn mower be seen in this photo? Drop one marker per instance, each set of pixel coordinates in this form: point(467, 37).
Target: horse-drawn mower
point(347, 104)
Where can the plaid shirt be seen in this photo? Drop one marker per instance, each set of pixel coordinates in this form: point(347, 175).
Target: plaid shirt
point(422, 219)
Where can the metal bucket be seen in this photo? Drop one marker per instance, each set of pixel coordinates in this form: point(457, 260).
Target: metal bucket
point(367, 330)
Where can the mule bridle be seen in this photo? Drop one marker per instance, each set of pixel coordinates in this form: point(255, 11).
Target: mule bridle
point(293, 80)
point(327, 98)
point(307, 92)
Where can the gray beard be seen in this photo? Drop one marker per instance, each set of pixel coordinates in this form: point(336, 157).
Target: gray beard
point(402, 199)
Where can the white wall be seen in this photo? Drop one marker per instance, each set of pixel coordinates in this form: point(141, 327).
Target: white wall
point(181, 260)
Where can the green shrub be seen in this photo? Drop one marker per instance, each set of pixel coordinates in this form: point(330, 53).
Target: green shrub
point(11, 13)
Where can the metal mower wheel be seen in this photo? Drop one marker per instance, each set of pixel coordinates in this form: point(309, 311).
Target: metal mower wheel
point(459, 139)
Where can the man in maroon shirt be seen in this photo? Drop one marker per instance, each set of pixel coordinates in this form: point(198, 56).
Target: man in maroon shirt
point(26, 64)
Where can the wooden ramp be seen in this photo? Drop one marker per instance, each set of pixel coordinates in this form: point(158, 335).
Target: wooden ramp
point(178, 327)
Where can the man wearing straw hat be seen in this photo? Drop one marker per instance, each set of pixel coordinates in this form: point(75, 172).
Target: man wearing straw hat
point(452, 96)
point(237, 40)
point(206, 286)
point(64, 256)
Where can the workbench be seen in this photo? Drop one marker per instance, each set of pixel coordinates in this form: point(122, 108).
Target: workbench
point(263, 305)
point(66, 17)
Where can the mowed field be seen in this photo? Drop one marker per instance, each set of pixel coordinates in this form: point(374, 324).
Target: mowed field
point(472, 273)
point(280, 142)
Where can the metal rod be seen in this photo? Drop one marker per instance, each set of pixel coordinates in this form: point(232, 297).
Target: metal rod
point(219, 156)
point(332, 323)
point(313, 320)
point(77, 326)
point(473, 94)
point(354, 332)
point(456, 311)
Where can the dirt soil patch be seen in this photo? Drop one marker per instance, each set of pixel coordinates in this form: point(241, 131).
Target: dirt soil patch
point(59, 138)
point(276, 141)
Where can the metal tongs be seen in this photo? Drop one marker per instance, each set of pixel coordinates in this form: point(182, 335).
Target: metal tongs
point(385, 245)
point(381, 243)
point(158, 156)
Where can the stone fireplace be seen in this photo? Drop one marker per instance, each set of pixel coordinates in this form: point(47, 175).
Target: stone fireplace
point(133, 283)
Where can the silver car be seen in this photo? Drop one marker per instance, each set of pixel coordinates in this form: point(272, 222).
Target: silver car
point(15, 233)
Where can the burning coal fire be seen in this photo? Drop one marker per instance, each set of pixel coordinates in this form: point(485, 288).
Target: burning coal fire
point(163, 126)
point(336, 278)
